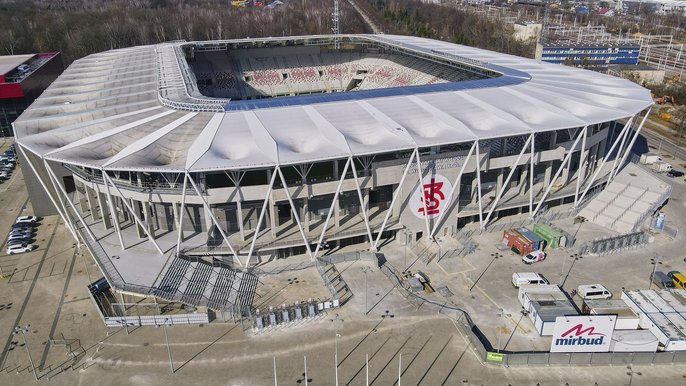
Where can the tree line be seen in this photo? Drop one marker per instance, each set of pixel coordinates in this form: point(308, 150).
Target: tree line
point(436, 21)
point(78, 28)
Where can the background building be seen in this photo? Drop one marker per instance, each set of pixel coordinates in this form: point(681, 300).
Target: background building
point(22, 79)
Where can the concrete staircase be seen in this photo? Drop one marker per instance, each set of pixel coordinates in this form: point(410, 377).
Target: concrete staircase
point(627, 201)
point(196, 282)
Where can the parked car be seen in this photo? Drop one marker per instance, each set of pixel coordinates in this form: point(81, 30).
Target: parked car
point(21, 232)
point(23, 225)
point(661, 280)
point(26, 219)
point(17, 236)
point(534, 257)
point(528, 278)
point(675, 173)
point(21, 240)
point(678, 279)
point(4, 175)
point(593, 291)
point(19, 248)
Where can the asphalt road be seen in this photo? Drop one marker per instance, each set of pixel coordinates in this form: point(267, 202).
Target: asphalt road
point(664, 144)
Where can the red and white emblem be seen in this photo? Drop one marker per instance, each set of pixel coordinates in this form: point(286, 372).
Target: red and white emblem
point(432, 197)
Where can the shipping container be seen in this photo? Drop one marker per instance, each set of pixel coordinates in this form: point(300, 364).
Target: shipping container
point(553, 238)
point(538, 242)
point(662, 312)
point(518, 243)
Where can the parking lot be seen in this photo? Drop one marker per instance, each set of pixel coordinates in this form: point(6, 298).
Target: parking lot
point(46, 289)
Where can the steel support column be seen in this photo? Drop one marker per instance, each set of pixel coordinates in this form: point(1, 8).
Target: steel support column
point(362, 206)
point(261, 217)
point(59, 188)
point(559, 170)
point(208, 210)
point(333, 205)
point(133, 213)
point(420, 188)
point(531, 173)
point(478, 185)
point(507, 180)
point(626, 127)
point(631, 144)
point(113, 211)
point(295, 214)
point(179, 224)
point(456, 185)
point(395, 197)
point(581, 171)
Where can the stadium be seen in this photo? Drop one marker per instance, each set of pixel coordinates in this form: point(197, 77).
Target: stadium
point(247, 151)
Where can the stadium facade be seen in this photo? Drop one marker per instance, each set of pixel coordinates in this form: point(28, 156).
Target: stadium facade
point(254, 149)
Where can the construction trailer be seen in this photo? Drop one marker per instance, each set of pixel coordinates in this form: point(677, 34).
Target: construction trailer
point(633, 341)
point(663, 312)
point(543, 304)
point(627, 319)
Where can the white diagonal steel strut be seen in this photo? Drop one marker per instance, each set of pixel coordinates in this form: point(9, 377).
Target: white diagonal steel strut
point(623, 135)
point(295, 213)
point(133, 213)
point(559, 170)
point(531, 173)
point(364, 211)
point(395, 196)
point(59, 188)
point(208, 210)
point(259, 220)
point(456, 185)
point(66, 220)
point(60, 201)
point(478, 185)
point(581, 171)
point(334, 204)
point(113, 213)
point(507, 180)
point(626, 127)
point(179, 224)
point(631, 144)
point(420, 188)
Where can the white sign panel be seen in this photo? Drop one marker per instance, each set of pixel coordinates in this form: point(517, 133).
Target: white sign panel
point(583, 333)
point(432, 197)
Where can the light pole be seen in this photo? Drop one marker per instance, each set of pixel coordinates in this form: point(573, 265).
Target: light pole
point(576, 257)
point(405, 234)
point(166, 339)
point(336, 320)
point(366, 307)
point(23, 331)
point(654, 261)
point(631, 373)
point(500, 316)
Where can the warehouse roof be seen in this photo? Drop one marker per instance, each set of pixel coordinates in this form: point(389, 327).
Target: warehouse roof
point(131, 109)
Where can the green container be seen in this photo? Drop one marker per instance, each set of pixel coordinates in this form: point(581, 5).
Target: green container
point(551, 236)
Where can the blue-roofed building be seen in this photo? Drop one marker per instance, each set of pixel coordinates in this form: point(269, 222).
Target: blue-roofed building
point(595, 56)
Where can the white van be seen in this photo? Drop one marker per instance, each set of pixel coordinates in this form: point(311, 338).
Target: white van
point(528, 278)
point(593, 291)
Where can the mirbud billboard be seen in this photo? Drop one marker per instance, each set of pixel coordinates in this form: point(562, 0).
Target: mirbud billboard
point(583, 333)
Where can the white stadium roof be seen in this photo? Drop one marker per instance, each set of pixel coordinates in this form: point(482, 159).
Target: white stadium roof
point(128, 109)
